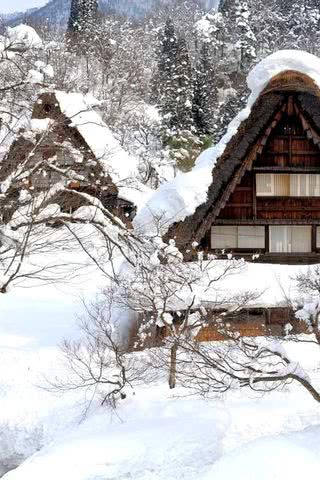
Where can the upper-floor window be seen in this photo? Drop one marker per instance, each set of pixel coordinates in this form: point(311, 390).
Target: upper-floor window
point(287, 185)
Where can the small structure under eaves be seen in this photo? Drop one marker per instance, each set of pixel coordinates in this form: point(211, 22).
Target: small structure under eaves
point(257, 193)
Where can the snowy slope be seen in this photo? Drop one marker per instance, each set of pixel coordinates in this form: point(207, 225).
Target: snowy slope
point(292, 456)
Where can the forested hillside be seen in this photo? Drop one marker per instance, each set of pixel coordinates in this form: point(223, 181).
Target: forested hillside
point(172, 81)
point(56, 12)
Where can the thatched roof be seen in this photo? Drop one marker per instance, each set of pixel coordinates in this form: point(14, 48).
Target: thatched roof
point(66, 124)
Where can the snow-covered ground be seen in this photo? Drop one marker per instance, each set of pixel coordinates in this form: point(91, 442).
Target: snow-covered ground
point(154, 434)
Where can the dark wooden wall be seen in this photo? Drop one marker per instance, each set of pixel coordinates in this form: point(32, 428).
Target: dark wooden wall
point(288, 150)
point(289, 146)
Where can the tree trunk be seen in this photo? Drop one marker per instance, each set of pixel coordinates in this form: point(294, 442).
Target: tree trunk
point(173, 366)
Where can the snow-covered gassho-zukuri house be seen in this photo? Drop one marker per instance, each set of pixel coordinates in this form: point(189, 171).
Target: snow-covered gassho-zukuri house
point(258, 190)
point(256, 194)
point(67, 132)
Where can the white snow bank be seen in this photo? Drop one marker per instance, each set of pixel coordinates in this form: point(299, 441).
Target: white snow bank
point(268, 285)
point(23, 37)
point(122, 168)
point(293, 456)
point(152, 435)
point(178, 199)
point(151, 438)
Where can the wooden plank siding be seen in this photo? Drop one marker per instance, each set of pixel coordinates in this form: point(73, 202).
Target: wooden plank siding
point(291, 147)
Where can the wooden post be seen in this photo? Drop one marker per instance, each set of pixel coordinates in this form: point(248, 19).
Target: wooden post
point(267, 238)
point(314, 238)
point(254, 199)
point(173, 365)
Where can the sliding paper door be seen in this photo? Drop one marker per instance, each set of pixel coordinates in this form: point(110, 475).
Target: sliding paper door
point(290, 239)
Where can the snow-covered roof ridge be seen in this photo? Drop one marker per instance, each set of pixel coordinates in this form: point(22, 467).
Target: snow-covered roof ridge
point(282, 61)
point(115, 161)
point(176, 200)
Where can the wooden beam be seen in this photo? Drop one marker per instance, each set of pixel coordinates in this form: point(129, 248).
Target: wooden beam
point(239, 205)
point(268, 221)
point(289, 208)
point(288, 169)
point(292, 152)
point(254, 198)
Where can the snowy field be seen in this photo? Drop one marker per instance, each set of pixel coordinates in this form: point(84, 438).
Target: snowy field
point(154, 435)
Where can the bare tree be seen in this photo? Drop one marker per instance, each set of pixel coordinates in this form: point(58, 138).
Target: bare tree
point(261, 365)
point(309, 310)
point(169, 299)
point(99, 363)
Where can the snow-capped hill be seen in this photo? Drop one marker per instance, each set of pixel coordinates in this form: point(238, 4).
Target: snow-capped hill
point(56, 12)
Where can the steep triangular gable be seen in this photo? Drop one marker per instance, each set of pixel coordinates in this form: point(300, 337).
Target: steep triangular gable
point(289, 109)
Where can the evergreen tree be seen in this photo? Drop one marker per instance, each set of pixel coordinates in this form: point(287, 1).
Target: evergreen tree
point(245, 39)
point(303, 23)
point(225, 6)
point(204, 93)
point(166, 75)
point(174, 83)
point(225, 113)
point(83, 15)
point(183, 78)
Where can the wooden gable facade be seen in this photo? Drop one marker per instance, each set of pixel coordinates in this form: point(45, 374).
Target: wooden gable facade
point(264, 200)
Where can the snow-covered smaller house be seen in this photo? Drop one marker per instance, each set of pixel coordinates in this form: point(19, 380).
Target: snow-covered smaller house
point(69, 136)
point(256, 194)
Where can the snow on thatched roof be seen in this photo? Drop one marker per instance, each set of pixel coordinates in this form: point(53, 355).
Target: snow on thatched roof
point(179, 199)
point(116, 162)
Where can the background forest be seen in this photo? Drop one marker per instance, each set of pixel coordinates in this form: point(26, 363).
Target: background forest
point(169, 79)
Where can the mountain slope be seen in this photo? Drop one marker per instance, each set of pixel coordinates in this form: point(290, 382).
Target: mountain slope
point(56, 12)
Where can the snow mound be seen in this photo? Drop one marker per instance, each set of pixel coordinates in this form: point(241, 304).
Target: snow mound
point(149, 440)
point(178, 199)
point(23, 37)
point(292, 456)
